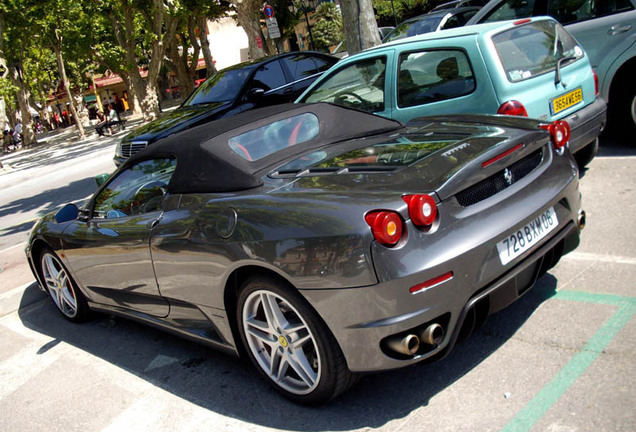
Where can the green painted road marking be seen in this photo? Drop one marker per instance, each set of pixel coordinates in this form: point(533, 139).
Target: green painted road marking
point(550, 394)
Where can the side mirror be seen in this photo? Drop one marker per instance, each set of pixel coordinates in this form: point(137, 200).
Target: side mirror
point(255, 94)
point(101, 179)
point(67, 213)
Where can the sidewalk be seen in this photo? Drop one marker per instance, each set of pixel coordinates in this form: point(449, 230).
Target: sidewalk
point(61, 140)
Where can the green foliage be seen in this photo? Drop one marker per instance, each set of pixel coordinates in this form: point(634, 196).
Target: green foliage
point(328, 30)
point(404, 9)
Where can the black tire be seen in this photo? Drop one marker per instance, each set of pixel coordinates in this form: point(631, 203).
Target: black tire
point(586, 154)
point(622, 107)
point(60, 285)
point(309, 373)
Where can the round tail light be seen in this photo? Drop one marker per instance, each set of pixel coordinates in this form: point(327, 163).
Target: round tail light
point(559, 132)
point(514, 108)
point(386, 226)
point(422, 209)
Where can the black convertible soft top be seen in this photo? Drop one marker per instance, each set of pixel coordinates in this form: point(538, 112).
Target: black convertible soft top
point(206, 163)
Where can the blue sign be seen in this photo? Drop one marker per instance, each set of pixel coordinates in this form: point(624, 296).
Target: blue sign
point(268, 11)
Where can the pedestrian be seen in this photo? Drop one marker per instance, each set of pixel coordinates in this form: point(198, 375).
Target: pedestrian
point(113, 118)
point(101, 123)
point(7, 140)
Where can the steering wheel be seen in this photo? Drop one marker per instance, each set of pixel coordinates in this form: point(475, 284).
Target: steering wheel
point(341, 98)
point(154, 202)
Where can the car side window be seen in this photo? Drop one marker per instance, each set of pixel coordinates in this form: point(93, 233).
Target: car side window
point(300, 66)
point(432, 76)
point(512, 9)
point(452, 22)
point(567, 11)
point(359, 85)
point(269, 76)
point(323, 64)
point(137, 190)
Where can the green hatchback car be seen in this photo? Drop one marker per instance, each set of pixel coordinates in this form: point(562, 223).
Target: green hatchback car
point(531, 67)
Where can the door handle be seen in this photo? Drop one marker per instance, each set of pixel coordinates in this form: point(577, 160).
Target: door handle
point(618, 29)
point(156, 222)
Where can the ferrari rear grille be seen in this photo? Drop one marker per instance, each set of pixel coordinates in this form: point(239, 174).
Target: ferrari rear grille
point(129, 149)
point(500, 181)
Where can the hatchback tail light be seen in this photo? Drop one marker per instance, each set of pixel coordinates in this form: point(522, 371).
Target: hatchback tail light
point(559, 132)
point(422, 209)
point(513, 107)
point(595, 83)
point(387, 226)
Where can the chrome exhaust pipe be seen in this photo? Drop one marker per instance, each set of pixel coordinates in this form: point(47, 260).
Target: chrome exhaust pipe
point(432, 335)
point(581, 219)
point(407, 345)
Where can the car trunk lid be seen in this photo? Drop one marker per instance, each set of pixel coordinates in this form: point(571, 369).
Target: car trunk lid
point(435, 155)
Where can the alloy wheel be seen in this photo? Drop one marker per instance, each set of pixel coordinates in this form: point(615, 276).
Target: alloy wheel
point(59, 285)
point(281, 342)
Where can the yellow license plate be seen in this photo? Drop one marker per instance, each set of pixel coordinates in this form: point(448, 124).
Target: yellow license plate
point(566, 101)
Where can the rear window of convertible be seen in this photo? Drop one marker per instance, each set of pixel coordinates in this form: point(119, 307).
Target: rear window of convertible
point(533, 49)
point(266, 140)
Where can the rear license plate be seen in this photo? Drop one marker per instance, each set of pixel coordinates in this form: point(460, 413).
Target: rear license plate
point(566, 101)
point(526, 237)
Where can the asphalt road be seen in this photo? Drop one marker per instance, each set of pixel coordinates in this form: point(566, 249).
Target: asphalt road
point(561, 359)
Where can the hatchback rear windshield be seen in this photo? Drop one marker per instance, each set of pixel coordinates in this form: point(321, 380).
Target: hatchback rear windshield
point(533, 49)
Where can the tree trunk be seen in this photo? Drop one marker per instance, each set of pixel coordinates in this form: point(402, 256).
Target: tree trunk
point(248, 14)
point(67, 86)
point(360, 26)
point(202, 23)
point(22, 96)
point(179, 64)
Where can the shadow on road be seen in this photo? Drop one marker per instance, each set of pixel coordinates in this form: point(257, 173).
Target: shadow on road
point(612, 145)
point(47, 201)
point(220, 384)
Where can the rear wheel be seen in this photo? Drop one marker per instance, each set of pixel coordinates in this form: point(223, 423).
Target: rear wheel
point(67, 297)
point(289, 344)
point(622, 104)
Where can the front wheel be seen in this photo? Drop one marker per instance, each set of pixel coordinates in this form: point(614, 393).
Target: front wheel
point(67, 297)
point(289, 344)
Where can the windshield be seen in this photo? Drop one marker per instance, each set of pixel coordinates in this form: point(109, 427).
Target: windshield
point(412, 28)
point(224, 86)
point(534, 49)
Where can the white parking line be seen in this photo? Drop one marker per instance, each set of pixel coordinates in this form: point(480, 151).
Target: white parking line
point(588, 256)
point(14, 246)
point(15, 291)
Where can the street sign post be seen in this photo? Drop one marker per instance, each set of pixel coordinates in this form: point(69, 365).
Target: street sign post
point(272, 27)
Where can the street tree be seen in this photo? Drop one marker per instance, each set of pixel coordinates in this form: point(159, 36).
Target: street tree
point(191, 40)
point(58, 24)
point(328, 29)
point(360, 26)
point(143, 29)
point(13, 43)
point(248, 14)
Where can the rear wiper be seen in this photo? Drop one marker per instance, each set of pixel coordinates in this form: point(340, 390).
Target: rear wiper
point(557, 76)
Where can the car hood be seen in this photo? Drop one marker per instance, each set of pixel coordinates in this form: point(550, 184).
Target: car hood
point(177, 120)
point(464, 151)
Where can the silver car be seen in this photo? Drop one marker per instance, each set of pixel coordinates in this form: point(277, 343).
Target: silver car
point(319, 241)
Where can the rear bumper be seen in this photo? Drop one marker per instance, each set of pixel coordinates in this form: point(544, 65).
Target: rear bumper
point(362, 319)
point(587, 124)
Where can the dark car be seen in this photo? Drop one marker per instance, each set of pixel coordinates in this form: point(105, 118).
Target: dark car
point(318, 240)
point(431, 22)
point(266, 81)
